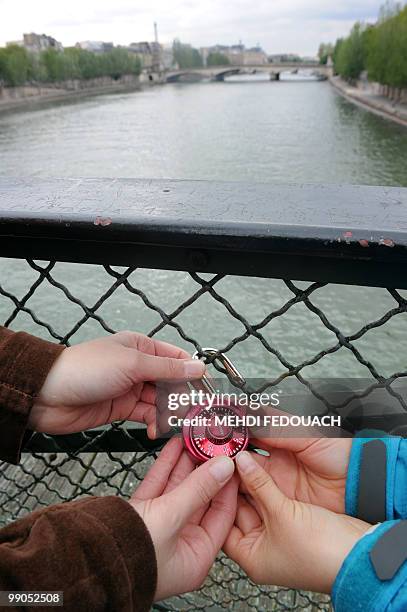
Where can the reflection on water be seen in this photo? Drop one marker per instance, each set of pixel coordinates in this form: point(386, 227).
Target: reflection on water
point(238, 130)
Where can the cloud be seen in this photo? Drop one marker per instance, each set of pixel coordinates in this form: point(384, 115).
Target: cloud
point(278, 25)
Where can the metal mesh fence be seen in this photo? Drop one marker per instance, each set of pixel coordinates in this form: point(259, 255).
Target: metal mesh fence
point(270, 328)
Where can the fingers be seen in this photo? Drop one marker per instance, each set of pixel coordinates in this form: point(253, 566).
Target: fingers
point(157, 360)
point(218, 520)
point(152, 368)
point(198, 489)
point(274, 465)
point(247, 519)
point(184, 467)
point(157, 477)
point(232, 545)
point(166, 393)
point(250, 534)
point(164, 349)
point(148, 345)
point(239, 547)
point(128, 408)
point(262, 460)
point(296, 445)
point(257, 482)
point(140, 412)
point(148, 393)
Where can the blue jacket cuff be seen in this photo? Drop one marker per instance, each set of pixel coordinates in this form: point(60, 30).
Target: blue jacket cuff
point(357, 587)
point(352, 481)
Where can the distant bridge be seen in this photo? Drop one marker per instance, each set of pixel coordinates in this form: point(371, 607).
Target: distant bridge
point(219, 73)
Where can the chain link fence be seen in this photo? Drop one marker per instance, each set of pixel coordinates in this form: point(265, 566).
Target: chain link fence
point(270, 328)
point(273, 330)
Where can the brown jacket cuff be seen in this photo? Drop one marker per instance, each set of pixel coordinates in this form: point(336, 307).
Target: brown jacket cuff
point(24, 365)
point(98, 551)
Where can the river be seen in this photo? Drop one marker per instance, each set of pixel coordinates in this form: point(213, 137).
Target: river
point(242, 129)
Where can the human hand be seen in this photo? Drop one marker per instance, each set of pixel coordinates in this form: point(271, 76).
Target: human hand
point(277, 540)
point(311, 470)
point(109, 379)
point(189, 513)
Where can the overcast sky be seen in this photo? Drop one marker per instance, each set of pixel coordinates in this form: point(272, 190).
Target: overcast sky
point(296, 26)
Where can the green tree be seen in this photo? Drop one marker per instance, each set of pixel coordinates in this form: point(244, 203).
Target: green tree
point(349, 55)
point(3, 66)
point(71, 63)
point(118, 62)
point(389, 9)
point(335, 54)
point(186, 56)
point(55, 65)
point(15, 65)
point(387, 50)
point(217, 59)
point(325, 50)
point(381, 49)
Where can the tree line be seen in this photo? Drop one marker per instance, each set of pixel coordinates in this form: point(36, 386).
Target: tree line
point(379, 49)
point(18, 66)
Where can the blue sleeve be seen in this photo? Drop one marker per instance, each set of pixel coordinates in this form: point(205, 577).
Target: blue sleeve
point(396, 481)
point(357, 588)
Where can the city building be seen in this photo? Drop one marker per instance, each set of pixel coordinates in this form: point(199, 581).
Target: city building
point(254, 56)
point(95, 46)
point(280, 58)
point(310, 59)
point(167, 57)
point(237, 55)
point(149, 53)
point(35, 43)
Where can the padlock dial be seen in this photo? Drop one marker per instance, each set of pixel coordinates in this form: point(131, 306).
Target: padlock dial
point(210, 438)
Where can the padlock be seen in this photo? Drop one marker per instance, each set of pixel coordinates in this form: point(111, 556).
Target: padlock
point(215, 432)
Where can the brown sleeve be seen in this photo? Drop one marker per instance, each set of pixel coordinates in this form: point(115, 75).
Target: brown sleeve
point(24, 364)
point(98, 551)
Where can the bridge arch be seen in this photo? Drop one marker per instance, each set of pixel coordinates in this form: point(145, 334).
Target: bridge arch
point(187, 76)
point(220, 76)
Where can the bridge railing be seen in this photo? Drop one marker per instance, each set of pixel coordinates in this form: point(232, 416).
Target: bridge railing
point(289, 281)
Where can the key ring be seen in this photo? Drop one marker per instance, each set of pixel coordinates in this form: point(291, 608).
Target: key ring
point(216, 429)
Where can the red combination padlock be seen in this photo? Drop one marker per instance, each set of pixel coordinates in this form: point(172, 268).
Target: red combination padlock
point(215, 431)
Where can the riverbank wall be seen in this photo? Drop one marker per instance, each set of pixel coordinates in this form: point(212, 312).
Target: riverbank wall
point(16, 97)
point(370, 97)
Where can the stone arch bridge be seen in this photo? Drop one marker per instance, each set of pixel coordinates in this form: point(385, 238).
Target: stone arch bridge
point(219, 73)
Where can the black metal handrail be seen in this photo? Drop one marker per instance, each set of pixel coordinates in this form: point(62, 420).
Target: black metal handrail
point(325, 233)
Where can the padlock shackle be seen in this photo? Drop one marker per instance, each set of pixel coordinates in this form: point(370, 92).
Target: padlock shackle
point(231, 370)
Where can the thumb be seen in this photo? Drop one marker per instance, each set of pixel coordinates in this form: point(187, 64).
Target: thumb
point(258, 482)
point(198, 489)
point(152, 368)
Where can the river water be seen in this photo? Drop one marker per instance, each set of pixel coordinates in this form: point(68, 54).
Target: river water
point(242, 129)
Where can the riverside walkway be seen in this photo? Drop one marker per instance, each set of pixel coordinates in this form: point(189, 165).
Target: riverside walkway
point(384, 107)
